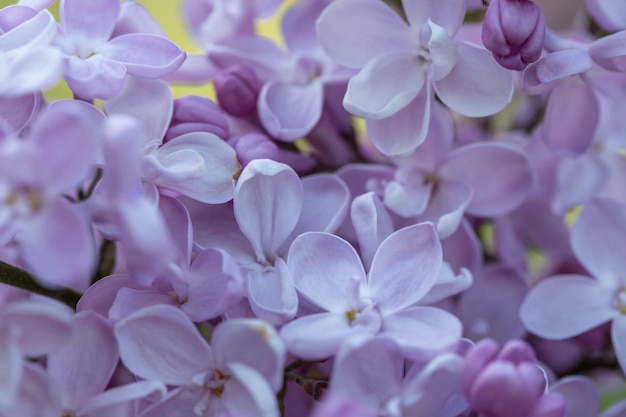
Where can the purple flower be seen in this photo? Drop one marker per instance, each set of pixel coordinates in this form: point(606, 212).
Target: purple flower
point(96, 64)
point(513, 31)
point(508, 382)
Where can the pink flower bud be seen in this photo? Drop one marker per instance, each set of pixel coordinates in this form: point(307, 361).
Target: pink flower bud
point(237, 90)
point(197, 114)
point(513, 30)
point(254, 146)
point(507, 382)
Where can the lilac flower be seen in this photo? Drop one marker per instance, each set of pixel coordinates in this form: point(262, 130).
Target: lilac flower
point(508, 382)
point(28, 62)
point(27, 329)
point(58, 155)
point(401, 64)
point(196, 163)
point(270, 208)
point(370, 373)
point(96, 64)
point(328, 273)
point(568, 305)
point(513, 31)
point(238, 374)
point(611, 15)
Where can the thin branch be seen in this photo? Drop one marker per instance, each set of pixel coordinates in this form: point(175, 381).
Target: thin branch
point(19, 278)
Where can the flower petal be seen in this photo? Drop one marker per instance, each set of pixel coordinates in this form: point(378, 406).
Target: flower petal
point(567, 305)
point(271, 293)
point(353, 32)
point(324, 268)
point(144, 55)
point(93, 20)
point(161, 343)
point(402, 132)
point(384, 86)
point(85, 364)
point(405, 267)
point(598, 231)
point(448, 14)
point(267, 205)
point(477, 86)
point(290, 111)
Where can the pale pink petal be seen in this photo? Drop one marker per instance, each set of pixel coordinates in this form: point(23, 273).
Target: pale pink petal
point(267, 204)
point(253, 343)
point(180, 402)
point(10, 371)
point(151, 102)
point(162, 344)
point(369, 372)
point(609, 51)
point(610, 14)
point(199, 165)
point(272, 294)
point(477, 86)
point(42, 327)
point(57, 245)
point(85, 364)
point(422, 329)
point(289, 111)
point(325, 284)
point(540, 76)
point(567, 305)
point(106, 403)
point(448, 14)
point(317, 336)
point(598, 231)
point(215, 285)
point(100, 296)
point(247, 393)
point(144, 55)
point(372, 224)
point(94, 77)
point(447, 206)
point(93, 20)
point(384, 86)
point(402, 132)
point(325, 204)
point(581, 395)
point(129, 300)
point(353, 32)
point(493, 195)
point(571, 117)
point(405, 267)
point(618, 337)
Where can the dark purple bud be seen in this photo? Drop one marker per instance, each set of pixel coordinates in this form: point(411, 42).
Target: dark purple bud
point(197, 114)
point(254, 146)
point(513, 30)
point(237, 89)
point(506, 382)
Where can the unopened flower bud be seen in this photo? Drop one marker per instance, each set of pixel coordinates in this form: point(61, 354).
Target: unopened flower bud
point(254, 146)
point(507, 382)
point(197, 114)
point(513, 30)
point(237, 90)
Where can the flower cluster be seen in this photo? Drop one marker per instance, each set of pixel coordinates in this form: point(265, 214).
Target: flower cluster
point(388, 214)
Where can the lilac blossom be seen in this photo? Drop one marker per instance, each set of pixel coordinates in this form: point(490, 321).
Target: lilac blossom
point(29, 63)
point(400, 66)
point(370, 373)
point(238, 374)
point(96, 64)
point(381, 302)
point(508, 382)
point(567, 305)
point(59, 153)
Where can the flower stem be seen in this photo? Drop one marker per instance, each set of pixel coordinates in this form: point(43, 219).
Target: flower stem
point(19, 278)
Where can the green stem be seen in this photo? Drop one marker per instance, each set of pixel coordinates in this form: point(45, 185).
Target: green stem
point(19, 278)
